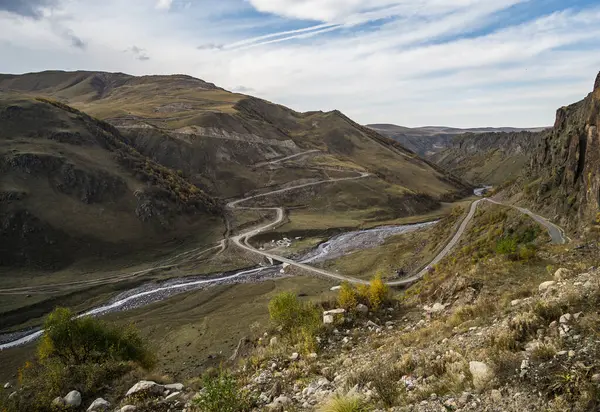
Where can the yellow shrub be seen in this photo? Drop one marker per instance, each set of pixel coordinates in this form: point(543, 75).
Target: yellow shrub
point(347, 297)
point(378, 292)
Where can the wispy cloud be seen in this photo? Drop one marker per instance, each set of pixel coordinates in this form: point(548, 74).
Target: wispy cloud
point(412, 62)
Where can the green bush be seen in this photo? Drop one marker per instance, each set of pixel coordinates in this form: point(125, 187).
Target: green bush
point(222, 394)
point(85, 354)
point(77, 341)
point(300, 321)
point(340, 403)
point(506, 246)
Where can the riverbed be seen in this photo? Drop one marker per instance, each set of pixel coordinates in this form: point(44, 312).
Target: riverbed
point(334, 248)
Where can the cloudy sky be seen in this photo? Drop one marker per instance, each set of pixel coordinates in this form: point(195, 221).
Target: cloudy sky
point(409, 62)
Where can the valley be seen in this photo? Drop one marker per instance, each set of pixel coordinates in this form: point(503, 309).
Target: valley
point(186, 212)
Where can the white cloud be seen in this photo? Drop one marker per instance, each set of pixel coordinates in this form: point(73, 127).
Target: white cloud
point(164, 4)
point(414, 68)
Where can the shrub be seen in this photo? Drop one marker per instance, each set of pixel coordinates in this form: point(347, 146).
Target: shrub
point(77, 353)
point(77, 341)
point(341, 403)
point(347, 296)
point(300, 321)
point(506, 246)
point(378, 292)
point(222, 394)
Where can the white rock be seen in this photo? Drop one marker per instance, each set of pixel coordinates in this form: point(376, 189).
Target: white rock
point(146, 386)
point(12, 395)
point(279, 401)
point(173, 396)
point(481, 373)
point(544, 286)
point(562, 274)
point(129, 408)
point(99, 405)
point(566, 318)
point(295, 356)
point(174, 387)
point(362, 308)
point(274, 341)
point(333, 288)
point(7, 385)
point(328, 319)
point(515, 302)
point(73, 399)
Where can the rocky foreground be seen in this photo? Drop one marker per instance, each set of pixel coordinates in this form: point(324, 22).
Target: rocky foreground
point(535, 353)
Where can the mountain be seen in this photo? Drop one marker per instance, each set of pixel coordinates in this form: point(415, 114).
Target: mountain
point(431, 139)
point(216, 139)
point(563, 177)
point(488, 158)
point(72, 187)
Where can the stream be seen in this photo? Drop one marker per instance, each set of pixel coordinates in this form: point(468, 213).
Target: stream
point(334, 248)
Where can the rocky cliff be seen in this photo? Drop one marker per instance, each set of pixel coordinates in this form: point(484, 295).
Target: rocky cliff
point(564, 171)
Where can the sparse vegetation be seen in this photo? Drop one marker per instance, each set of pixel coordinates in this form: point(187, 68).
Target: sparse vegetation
point(222, 393)
point(340, 403)
point(299, 321)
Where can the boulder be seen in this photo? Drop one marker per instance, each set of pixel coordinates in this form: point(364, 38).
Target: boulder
point(73, 399)
point(562, 274)
point(360, 308)
point(149, 387)
point(329, 316)
point(544, 286)
point(174, 387)
point(99, 405)
point(482, 373)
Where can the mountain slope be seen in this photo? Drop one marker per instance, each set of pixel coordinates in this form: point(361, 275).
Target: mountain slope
point(429, 140)
point(72, 187)
point(488, 158)
point(215, 138)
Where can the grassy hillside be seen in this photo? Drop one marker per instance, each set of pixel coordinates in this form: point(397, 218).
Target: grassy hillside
point(215, 138)
point(72, 187)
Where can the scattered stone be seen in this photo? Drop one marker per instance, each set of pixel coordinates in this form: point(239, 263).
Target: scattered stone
point(274, 341)
point(496, 395)
point(129, 408)
point(295, 356)
point(279, 402)
point(436, 308)
point(73, 399)
point(515, 302)
point(99, 405)
point(12, 395)
point(146, 386)
point(333, 288)
point(464, 398)
point(578, 315)
point(360, 308)
point(596, 378)
point(7, 385)
point(544, 286)
point(571, 353)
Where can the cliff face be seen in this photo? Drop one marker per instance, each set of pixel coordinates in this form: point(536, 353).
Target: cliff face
point(567, 163)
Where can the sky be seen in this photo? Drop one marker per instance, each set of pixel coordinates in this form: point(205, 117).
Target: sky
point(462, 63)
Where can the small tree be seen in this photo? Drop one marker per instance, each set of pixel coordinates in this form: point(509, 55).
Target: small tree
point(285, 310)
point(378, 292)
point(347, 296)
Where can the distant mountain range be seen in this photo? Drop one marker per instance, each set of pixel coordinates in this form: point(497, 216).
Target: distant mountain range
point(428, 140)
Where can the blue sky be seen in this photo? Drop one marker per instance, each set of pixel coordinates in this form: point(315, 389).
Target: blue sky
point(410, 62)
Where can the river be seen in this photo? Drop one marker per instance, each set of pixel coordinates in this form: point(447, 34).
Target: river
point(334, 248)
